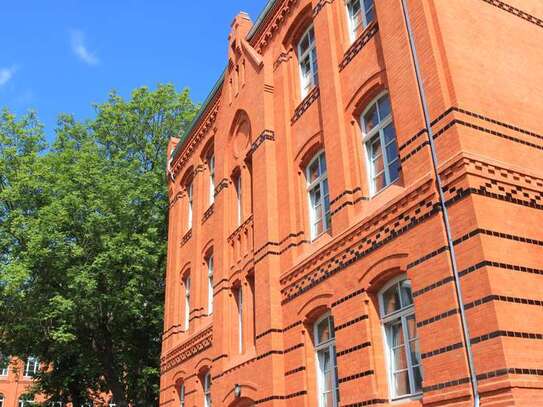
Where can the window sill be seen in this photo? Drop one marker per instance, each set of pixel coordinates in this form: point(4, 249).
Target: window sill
point(382, 190)
point(406, 399)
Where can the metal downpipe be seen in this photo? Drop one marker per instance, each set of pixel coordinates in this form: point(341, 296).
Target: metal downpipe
point(444, 211)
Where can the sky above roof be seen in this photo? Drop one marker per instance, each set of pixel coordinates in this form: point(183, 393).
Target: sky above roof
point(61, 56)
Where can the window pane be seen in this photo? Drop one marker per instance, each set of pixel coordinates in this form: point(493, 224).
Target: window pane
point(396, 335)
point(417, 378)
point(378, 164)
point(407, 296)
point(394, 170)
point(390, 135)
point(328, 399)
point(323, 331)
point(314, 171)
point(322, 161)
point(415, 352)
point(392, 152)
point(375, 148)
point(384, 107)
point(370, 10)
point(399, 360)
point(380, 182)
point(370, 119)
point(401, 383)
point(411, 327)
point(391, 300)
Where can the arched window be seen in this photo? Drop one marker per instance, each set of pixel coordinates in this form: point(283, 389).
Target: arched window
point(207, 389)
point(319, 199)
point(307, 58)
point(1, 400)
point(361, 14)
point(211, 167)
point(380, 141)
point(186, 284)
point(402, 344)
point(182, 395)
point(238, 292)
point(189, 189)
point(210, 284)
point(325, 347)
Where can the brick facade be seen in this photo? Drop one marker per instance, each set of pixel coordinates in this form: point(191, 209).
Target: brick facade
point(480, 63)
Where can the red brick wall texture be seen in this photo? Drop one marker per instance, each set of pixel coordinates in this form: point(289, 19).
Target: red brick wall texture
point(480, 64)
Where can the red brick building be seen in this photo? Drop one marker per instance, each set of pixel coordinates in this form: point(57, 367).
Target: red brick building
point(356, 211)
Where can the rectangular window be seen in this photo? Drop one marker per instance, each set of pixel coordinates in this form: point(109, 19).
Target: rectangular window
point(239, 199)
point(381, 145)
point(361, 14)
point(307, 58)
point(239, 303)
point(211, 165)
point(319, 197)
point(210, 285)
point(182, 395)
point(31, 366)
point(4, 363)
point(207, 390)
point(325, 346)
point(187, 303)
point(189, 206)
point(398, 316)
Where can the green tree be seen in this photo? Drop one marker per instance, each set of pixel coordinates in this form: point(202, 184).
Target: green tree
point(83, 230)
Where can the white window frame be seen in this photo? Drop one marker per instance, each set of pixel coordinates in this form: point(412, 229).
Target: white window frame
point(207, 389)
point(239, 302)
point(322, 184)
point(23, 402)
point(239, 198)
point(186, 284)
point(378, 132)
point(307, 83)
point(211, 167)
point(363, 14)
point(182, 395)
point(329, 346)
point(4, 371)
point(189, 204)
point(2, 399)
point(32, 365)
point(210, 269)
point(389, 319)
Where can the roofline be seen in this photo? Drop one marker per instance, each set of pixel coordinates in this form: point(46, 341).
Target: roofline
point(254, 29)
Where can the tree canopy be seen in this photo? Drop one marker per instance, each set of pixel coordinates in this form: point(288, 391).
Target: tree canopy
point(83, 230)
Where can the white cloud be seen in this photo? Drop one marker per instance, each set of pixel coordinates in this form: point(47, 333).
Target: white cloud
point(80, 49)
point(6, 74)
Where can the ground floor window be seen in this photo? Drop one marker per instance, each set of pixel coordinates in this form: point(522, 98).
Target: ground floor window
point(325, 346)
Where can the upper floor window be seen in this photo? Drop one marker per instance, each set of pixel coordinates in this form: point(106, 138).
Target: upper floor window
point(361, 14)
point(31, 366)
point(182, 395)
point(380, 141)
point(325, 346)
point(211, 167)
point(4, 363)
point(207, 389)
point(319, 199)
point(189, 204)
point(402, 343)
point(239, 303)
point(307, 57)
point(239, 199)
point(186, 283)
point(210, 284)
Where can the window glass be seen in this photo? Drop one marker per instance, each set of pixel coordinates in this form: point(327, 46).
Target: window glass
point(381, 144)
point(319, 199)
point(398, 316)
point(326, 362)
point(307, 57)
point(361, 14)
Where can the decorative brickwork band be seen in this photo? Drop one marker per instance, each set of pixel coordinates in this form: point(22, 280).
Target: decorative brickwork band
point(516, 12)
point(308, 101)
point(319, 6)
point(360, 42)
point(265, 135)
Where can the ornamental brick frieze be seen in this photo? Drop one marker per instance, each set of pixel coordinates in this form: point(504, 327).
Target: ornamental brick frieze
point(270, 29)
point(319, 6)
point(187, 350)
point(194, 139)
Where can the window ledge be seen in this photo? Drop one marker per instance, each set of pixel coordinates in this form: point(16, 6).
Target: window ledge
point(304, 105)
point(358, 44)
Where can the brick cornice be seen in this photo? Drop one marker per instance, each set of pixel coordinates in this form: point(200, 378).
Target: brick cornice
point(197, 344)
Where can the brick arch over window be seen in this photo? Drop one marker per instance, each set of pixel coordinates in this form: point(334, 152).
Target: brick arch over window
point(301, 22)
point(249, 393)
point(315, 306)
point(370, 89)
point(382, 271)
point(307, 152)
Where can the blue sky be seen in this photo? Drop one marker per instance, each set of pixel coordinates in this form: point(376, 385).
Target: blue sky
point(63, 55)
